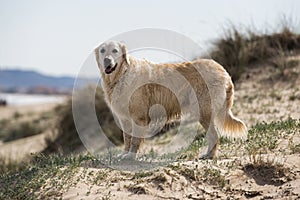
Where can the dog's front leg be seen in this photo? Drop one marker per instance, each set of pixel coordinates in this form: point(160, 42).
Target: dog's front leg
point(127, 131)
point(135, 141)
point(135, 145)
point(134, 148)
point(127, 142)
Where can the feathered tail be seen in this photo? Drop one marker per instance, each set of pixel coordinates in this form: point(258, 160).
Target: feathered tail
point(232, 126)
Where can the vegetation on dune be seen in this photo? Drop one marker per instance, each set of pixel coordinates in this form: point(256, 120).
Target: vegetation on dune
point(263, 138)
point(237, 50)
point(16, 128)
point(47, 176)
point(68, 140)
point(29, 178)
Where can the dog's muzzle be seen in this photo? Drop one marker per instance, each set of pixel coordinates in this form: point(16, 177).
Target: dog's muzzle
point(109, 69)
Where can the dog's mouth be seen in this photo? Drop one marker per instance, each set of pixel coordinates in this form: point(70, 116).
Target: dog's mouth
point(109, 69)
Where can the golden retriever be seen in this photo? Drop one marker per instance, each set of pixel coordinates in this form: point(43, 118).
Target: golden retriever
point(122, 78)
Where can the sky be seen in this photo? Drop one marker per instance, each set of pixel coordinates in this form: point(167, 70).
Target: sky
point(56, 37)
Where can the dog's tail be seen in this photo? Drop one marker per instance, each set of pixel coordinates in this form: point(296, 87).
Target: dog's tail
point(232, 126)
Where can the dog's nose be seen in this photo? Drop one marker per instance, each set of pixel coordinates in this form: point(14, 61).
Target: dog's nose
point(107, 61)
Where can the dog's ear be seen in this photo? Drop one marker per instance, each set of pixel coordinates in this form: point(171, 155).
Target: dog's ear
point(96, 51)
point(125, 53)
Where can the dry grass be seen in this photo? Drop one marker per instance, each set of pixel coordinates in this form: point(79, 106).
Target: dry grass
point(18, 126)
point(237, 50)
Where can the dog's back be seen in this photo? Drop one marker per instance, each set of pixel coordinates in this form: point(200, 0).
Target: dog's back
point(210, 82)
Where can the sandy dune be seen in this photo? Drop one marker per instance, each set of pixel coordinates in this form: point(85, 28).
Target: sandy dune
point(8, 111)
point(262, 95)
point(21, 149)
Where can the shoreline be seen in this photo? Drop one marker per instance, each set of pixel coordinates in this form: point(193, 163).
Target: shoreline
point(15, 99)
point(7, 112)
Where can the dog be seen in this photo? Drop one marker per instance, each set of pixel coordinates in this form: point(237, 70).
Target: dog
point(210, 82)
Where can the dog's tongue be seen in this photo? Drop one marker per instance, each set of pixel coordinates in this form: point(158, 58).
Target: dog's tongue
point(108, 69)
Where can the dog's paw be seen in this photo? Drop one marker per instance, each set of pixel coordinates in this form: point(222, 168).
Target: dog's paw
point(207, 156)
point(127, 156)
point(119, 156)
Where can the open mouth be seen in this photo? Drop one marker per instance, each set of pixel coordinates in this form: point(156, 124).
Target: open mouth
point(109, 69)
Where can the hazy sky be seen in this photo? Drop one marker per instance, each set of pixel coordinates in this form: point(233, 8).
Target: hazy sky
point(55, 37)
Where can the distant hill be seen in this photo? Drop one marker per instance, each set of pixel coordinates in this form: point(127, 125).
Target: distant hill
point(15, 80)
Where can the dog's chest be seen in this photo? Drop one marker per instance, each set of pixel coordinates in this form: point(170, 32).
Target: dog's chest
point(119, 98)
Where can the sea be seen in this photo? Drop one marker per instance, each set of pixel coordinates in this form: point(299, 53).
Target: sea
point(31, 99)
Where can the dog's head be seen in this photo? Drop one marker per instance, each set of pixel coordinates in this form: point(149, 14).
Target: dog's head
point(110, 56)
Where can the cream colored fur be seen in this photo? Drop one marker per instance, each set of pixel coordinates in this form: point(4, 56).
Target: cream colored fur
point(209, 81)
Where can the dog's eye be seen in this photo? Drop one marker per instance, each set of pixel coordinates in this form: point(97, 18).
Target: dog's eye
point(115, 50)
point(102, 50)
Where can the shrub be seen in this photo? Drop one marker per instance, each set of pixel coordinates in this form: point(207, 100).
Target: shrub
point(67, 140)
point(13, 131)
point(237, 50)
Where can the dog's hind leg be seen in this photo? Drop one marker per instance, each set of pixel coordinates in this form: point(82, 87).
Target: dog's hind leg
point(212, 141)
point(137, 138)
